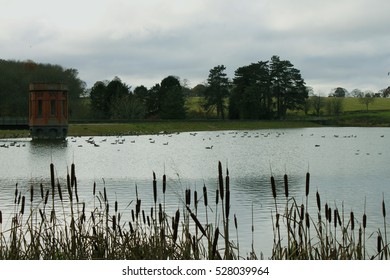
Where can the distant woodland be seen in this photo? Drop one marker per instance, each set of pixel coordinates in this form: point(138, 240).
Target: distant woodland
point(261, 90)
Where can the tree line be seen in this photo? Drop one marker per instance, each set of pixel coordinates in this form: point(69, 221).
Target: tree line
point(261, 90)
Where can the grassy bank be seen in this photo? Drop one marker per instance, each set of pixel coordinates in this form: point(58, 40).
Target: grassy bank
point(49, 222)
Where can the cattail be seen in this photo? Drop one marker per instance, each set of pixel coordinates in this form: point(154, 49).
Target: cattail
point(335, 211)
point(148, 221)
point(205, 195)
point(23, 202)
point(235, 221)
point(196, 199)
point(307, 220)
point(75, 190)
point(277, 220)
point(31, 193)
point(176, 225)
point(329, 214)
point(217, 197)
point(160, 213)
point(318, 201)
point(94, 188)
point(52, 176)
point(302, 214)
point(164, 183)
point(116, 206)
point(220, 180)
point(16, 193)
point(379, 243)
point(227, 183)
point(138, 207)
point(114, 222)
point(215, 242)
point(273, 185)
point(143, 217)
point(364, 220)
point(383, 208)
point(188, 196)
point(154, 188)
point(307, 183)
point(72, 175)
point(227, 204)
point(1, 217)
point(352, 221)
point(198, 224)
point(338, 218)
point(285, 185)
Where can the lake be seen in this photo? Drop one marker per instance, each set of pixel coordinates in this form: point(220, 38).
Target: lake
point(348, 166)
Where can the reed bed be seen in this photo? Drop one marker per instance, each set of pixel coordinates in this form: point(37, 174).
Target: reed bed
point(56, 225)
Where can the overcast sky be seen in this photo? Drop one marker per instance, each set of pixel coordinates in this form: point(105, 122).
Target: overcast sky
point(333, 43)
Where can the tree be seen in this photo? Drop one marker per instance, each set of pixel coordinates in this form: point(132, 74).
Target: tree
point(367, 99)
point(318, 103)
point(287, 85)
point(217, 90)
point(338, 92)
point(334, 105)
point(99, 106)
point(250, 98)
point(171, 99)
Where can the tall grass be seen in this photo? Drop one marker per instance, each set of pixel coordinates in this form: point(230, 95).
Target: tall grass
point(56, 225)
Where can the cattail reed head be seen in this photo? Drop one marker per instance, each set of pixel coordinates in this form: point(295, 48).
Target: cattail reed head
point(329, 214)
point(116, 206)
point(220, 180)
point(307, 220)
point(302, 214)
point(138, 208)
point(383, 208)
point(227, 179)
point(318, 201)
point(235, 221)
point(205, 195)
point(154, 188)
point(217, 197)
point(285, 185)
point(277, 220)
point(52, 176)
point(31, 193)
point(364, 220)
point(188, 196)
point(273, 185)
point(227, 204)
point(335, 211)
point(164, 183)
point(307, 183)
point(196, 199)
point(379, 243)
point(16, 193)
point(114, 222)
point(94, 188)
point(1, 217)
point(23, 202)
point(72, 175)
point(352, 221)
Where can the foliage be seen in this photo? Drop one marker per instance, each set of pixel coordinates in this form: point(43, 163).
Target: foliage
point(267, 89)
point(217, 90)
point(16, 76)
point(367, 98)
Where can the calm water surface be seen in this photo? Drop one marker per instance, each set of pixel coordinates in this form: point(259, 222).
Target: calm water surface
point(348, 167)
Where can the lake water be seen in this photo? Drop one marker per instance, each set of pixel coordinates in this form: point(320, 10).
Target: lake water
point(348, 167)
